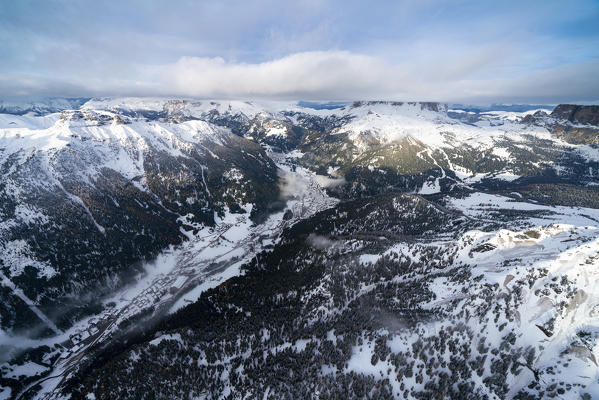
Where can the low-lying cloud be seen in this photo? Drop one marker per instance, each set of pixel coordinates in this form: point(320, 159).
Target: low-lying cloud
point(333, 75)
point(318, 74)
point(342, 75)
point(320, 242)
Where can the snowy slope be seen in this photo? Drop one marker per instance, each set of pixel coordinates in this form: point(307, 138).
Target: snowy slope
point(85, 195)
point(485, 297)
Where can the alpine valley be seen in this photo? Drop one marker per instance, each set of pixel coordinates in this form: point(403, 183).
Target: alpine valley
point(189, 249)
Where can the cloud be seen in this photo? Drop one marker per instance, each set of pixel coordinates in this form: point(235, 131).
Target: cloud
point(341, 75)
point(319, 74)
point(320, 242)
point(473, 75)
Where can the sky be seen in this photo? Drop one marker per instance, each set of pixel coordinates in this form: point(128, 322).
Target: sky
point(477, 52)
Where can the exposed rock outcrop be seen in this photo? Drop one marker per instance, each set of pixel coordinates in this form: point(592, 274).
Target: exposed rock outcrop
point(576, 124)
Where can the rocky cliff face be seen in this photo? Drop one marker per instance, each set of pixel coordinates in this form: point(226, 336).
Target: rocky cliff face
point(576, 124)
point(577, 114)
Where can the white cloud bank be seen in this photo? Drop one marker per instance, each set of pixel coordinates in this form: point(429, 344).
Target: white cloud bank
point(335, 75)
point(344, 75)
point(319, 74)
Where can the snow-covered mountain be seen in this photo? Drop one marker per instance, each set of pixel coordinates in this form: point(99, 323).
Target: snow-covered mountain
point(40, 106)
point(86, 195)
point(411, 139)
point(159, 248)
